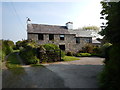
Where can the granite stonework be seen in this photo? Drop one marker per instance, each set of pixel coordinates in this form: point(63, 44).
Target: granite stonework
point(69, 41)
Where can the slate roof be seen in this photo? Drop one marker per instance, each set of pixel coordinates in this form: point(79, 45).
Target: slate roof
point(51, 29)
point(81, 33)
point(54, 29)
point(96, 41)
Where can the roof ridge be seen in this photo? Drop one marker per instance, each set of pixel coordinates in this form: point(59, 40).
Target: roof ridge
point(48, 25)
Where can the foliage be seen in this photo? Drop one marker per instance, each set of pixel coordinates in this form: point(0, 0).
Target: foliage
point(109, 78)
point(70, 58)
point(104, 49)
point(12, 61)
point(51, 47)
point(69, 54)
point(29, 55)
point(88, 48)
point(25, 43)
point(54, 49)
point(90, 28)
point(83, 54)
point(111, 12)
point(6, 47)
point(14, 65)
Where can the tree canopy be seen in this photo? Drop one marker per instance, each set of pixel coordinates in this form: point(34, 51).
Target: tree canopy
point(111, 12)
point(90, 28)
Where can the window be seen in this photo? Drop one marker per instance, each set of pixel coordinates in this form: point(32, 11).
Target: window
point(62, 37)
point(51, 37)
point(40, 36)
point(62, 47)
point(88, 40)
point(77, 40)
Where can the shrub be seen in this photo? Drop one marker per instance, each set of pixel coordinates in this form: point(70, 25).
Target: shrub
point(29, 55)
point(51, 47)
point(25, 43)
point(83, 54)
point(6, 47)
point(110, 76)
point(69, 54)
point(96, 50)
point(88, 48)
point(54, 50)
point(104, 49)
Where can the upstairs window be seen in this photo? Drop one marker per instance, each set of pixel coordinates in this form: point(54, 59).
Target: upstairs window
point(51, 36)
point(88, 40)
point(77, 40)
point(62, 37)
point(40, 37)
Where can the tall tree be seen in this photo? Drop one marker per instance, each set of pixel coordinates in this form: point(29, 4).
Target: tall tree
point(110, 77)
point(111, 13)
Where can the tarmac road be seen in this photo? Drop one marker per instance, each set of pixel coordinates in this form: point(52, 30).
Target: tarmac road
point(72, 74)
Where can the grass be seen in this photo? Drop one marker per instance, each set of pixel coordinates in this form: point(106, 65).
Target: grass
point(13, 64)
point(16, 50)
point(12, 61)
point(37, 65)
point(70, 58)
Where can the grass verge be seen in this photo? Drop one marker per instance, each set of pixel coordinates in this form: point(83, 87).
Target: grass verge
point(13, 64)
point(70, 58)
point(37, 65)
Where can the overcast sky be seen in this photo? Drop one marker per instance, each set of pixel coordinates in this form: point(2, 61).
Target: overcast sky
point(82, 13)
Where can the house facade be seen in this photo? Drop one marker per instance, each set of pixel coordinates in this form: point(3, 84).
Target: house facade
point(63, 36)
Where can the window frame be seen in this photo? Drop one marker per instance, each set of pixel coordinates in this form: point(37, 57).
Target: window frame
point(62, 38)
point(61, 47)
point(40, 37)
point(77, 40)
point(52, 37)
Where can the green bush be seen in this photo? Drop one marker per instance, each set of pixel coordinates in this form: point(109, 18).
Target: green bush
point(110, 76)
point(55, 50)
point(25, 43)
point(69, 54)
point(6, 47)
point(51, 47)
point(88, 48)
point(104, 49)
point(29, 55)
point(83, 54)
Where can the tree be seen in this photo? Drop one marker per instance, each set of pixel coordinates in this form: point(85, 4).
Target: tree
point(91, 28)
point(110, 76)
point(111, 12)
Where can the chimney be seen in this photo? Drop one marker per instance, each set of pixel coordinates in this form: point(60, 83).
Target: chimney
point(69, 25)
point(28, 20)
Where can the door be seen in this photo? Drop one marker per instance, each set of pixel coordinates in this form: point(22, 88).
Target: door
point(62, 47)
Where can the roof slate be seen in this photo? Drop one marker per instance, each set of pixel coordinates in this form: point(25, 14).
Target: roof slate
point(52, 29)
point(81, 33)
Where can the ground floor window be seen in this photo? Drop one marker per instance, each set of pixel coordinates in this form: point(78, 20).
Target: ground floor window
point(77, 40)
point(62, 47)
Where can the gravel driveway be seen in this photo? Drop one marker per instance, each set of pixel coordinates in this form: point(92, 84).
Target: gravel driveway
point(73, 74)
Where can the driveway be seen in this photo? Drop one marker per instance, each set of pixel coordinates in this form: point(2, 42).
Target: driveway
point(73, 74)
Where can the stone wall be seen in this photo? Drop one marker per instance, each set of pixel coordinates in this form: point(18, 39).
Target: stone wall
point(69, 41)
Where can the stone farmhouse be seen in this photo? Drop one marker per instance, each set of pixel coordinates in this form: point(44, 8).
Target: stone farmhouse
point(65, 37)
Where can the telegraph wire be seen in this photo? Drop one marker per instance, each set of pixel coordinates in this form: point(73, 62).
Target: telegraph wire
point(19, 19)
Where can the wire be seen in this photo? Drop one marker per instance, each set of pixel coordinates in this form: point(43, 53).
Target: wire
point(19, 19)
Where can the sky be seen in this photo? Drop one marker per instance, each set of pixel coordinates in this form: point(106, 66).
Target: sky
point(81, 13)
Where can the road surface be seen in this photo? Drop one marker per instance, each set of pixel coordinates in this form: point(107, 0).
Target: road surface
point(73, 74)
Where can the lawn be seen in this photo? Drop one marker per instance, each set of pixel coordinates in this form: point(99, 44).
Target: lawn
point(13, 64)
point(70, 58)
